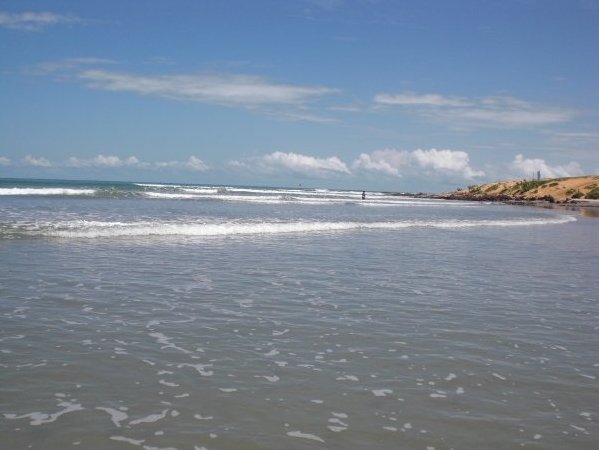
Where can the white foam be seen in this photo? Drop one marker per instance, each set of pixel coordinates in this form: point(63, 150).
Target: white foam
point(381, 392)
point(95, 229)
point(45, 191)
point(157, 185)
point(150, 418)
point(166, 342)
point(200, 368)
point(348, 377)
point(128, 440)
point(169, 195)
point(280, 333)
point(115, 415)
point(38, 418)
point(299, 434)
point(272, 379)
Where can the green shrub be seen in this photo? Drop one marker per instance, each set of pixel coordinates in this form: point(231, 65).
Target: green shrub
point(527, 185)
point(593, 194)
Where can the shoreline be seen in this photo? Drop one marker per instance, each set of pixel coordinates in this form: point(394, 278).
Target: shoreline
point(570, 193)
point(586, 207)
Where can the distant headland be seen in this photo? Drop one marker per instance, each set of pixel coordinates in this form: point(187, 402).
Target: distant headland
point(581, 191)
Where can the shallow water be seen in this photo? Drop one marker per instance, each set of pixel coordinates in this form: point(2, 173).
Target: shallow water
point(308, 319)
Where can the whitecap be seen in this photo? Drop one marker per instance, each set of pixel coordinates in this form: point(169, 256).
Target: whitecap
point(299, 434)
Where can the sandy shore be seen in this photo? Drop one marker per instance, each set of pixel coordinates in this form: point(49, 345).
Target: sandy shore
point(573, 193)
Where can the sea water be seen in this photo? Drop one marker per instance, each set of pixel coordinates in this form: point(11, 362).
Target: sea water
point(161, 316)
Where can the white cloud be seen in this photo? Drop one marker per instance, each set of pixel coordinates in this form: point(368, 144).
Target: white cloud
point(193, 163)
point(305, 164)
point(529, 167)
point(34, 21)
point(293, 162)
point(4, 161)
point(196, 164)
point(388, 161)
point(503, 112)
point(36, 162)
point(411, 99)
point(66, 65)
point(103, 161)
point(455, 161)
point(397, 162)
point(232, 90)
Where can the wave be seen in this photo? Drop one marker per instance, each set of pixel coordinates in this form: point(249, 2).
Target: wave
point(169, 196)
point(99, 229)
point(45, 191)
point(282, 197)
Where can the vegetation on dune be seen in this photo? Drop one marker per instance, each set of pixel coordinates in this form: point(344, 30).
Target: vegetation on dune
point(593, 194)
point(552, 190)
point(528, 185)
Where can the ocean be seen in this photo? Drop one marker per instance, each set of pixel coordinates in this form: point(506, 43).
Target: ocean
point(181, 316)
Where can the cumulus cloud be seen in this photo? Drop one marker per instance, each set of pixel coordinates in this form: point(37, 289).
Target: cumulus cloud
point(103, 161)
point(34, 21)
point(308, 165)
point(397, 162)
point(455, 161)
point(293, 162)
point(4, 161)
point(196, 164)
point(388, 161)
point(36, 162)
point(231, 90)
point(193, 163)
point(530, 166)
point(505, 112)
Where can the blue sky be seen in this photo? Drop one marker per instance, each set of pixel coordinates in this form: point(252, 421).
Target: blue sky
point(423, 95)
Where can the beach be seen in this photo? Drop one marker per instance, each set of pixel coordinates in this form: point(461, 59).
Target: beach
point(181, 316)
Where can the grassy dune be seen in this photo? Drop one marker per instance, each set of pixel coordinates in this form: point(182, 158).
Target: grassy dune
point(552, 190)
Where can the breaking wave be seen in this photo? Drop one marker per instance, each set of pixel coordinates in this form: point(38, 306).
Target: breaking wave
point(99, 229)
point(46, 191)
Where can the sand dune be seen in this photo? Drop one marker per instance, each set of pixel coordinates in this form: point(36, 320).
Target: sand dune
point(552, 190)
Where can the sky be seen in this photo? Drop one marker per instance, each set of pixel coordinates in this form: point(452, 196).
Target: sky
point(405, 96)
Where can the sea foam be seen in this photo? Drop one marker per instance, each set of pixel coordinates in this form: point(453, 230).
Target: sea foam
point(45, 191)
point(95, 229)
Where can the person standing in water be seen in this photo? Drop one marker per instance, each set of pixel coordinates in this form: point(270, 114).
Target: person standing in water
point(363, 195)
